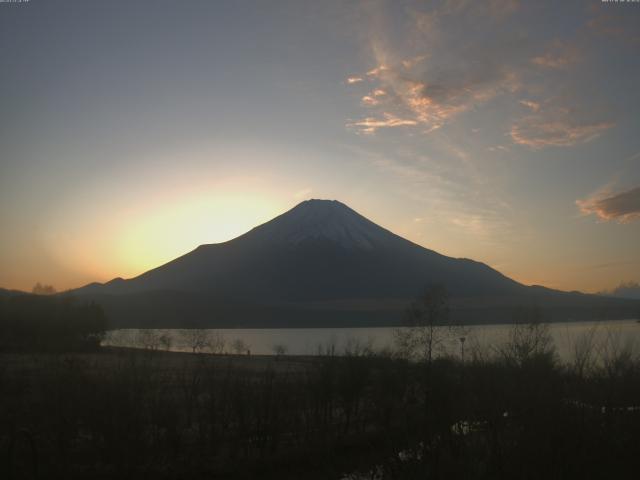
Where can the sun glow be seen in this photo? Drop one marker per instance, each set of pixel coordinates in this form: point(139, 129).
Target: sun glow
point(133, 240)
point(155, 237)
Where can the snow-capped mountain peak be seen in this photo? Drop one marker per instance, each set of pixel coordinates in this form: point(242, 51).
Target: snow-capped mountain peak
point(324, 220)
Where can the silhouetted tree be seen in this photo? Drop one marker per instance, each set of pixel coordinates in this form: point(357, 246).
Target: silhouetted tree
point(529, 339)
point(279, 350)
point(239, 346)
point(166, 341)
point(216, 343)
point(39, 289)
point(197, 339)
point(428, 325)
point(583, 350)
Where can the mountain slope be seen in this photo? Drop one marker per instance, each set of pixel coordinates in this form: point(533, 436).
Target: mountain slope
point(320, 259)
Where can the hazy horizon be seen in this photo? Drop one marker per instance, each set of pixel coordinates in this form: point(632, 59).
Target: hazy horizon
point(504, 132)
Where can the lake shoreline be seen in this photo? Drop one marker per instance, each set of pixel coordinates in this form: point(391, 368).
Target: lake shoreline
point(335, 341)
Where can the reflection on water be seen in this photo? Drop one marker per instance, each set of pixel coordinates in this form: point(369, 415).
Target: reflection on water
point(569, 338)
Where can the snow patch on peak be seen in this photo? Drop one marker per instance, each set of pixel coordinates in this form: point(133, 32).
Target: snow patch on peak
point(328, 220)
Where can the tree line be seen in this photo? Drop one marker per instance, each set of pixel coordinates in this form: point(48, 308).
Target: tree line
point(50, 323)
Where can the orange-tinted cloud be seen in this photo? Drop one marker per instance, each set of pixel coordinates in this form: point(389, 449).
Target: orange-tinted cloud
point(388, 120)
point(623, 207)
point(433, 80)
point(555, 127)
point(432, 104)
point(443, 68)
point(369, 100)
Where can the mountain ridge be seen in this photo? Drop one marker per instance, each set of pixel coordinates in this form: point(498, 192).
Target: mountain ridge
point(320, 252)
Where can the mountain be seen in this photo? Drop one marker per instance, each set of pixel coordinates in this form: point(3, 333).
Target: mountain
point(320, 263)
point(10, 293)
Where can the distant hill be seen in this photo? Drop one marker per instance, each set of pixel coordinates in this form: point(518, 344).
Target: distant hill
point(6, 293)
point(323, 264)
point(624, 290)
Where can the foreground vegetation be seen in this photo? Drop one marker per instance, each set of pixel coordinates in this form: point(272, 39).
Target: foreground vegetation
point(70, 409)
point(511, 413)
point(40, 323)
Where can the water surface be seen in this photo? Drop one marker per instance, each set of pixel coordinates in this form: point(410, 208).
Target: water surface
point(567, 337)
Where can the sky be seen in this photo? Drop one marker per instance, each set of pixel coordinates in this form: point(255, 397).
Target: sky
point(504, 131)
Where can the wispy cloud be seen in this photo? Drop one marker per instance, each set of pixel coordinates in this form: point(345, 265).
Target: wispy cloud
point(432, 104)
point(555, 127)
point(352, 80)
point(388, 120)
point(623, 207)
point(499, 148)
point(549, 60)
point(559, 55)
point(460, 56)
point(614, 23)
point(535, 106)
point(370, 100)
point(437, 77)
point(450, 191)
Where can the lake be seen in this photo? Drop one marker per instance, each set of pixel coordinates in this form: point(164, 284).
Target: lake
point(567, 336)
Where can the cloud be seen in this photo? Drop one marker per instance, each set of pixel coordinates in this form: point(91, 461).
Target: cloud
point(410, 63)
point(623, 207)
point(619, 24)
point(432, 104)
point(551, 61)
point(369, 100)
point(447, 189)
point(535, 106)
point(559, 56)
point(555, 127)
point(499, 148)
point(371, 124)
point(438, 72)
point(374, 72)
point(375, 97)
point(352, 80)
point(438, 62)
point(444, 77)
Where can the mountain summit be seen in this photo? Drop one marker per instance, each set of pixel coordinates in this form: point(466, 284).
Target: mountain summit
point(324, 221)
point(320, 263)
